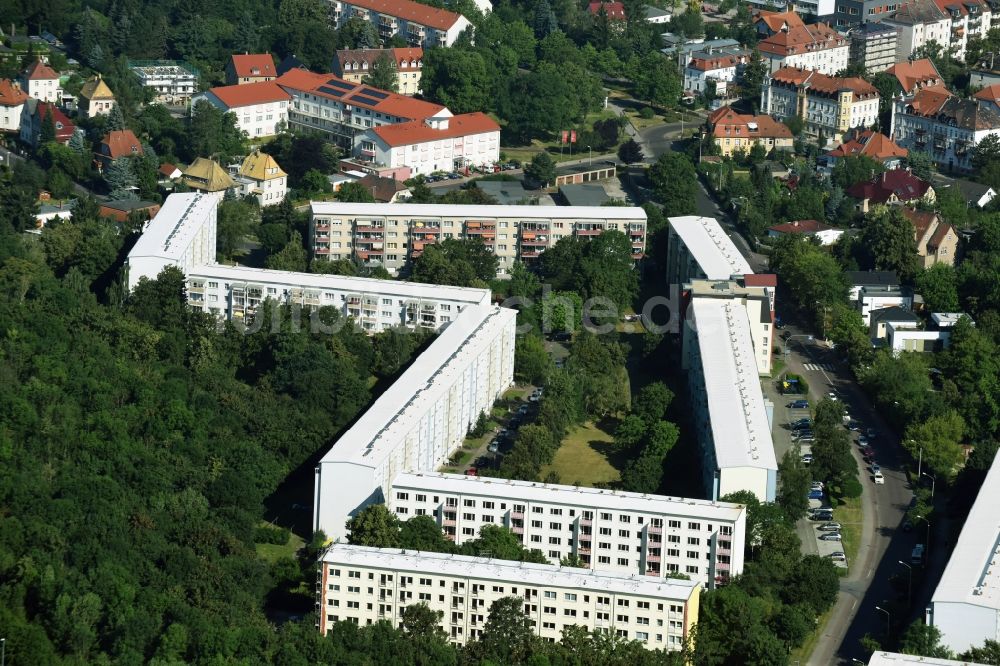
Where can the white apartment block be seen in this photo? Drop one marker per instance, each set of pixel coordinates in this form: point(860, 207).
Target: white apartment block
point(896, 659)
point(702, 68)
point(946, 127)
point(390, 235)
point(436, 144)
point(261, 109)
point(789, 42)
point(826, 104)
point(757, 300)
point(698, 248)
point(421, 419)
point(183, 235)
point(173, 82)
point(948, 24)
point(632, 533)
point(874, 45)
point(364, 585)
point(418, 24)
point(966, 604)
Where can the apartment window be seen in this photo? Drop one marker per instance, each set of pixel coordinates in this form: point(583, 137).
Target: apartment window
point(402, 496)
point(674, 523)
point(641, 636)
point(605, 516)
point(536, 538)
point(536, 524)
point(468, 516)
point(605, 531)
point(691, 569)
point(555, 512)
point(537, 509)
point(624, 519)
point(603, 559)
point(623, 533)
point(550, 595)
point(468, 531)
point(549, 610)
point(486, 505)
point(623, 561)
point(468, 502)
point(555, 526)
point(694, 541)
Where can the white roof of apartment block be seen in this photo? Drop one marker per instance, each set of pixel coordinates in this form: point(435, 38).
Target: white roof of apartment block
point(739, 422)
point(550, 493)
point(471, 211)
point(178, 222)
point(895, 659)
point(522, 573)
point(973, 572)
point(409, 290)
point(398, 410)
point(714, 251)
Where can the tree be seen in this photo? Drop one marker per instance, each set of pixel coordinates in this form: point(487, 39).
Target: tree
point(814, 582)
point(456, 78)
point(545, 20)
point(212, 133)
point(850, 170)
point(630, 432)
point(121, 179)
point(940, 438)
point(508, 637)
point(939, 287)
point(292, 257)
point(48, 127)
point(531, 360)
point(794, 478)
point(550, 98)
point(988, 654)
point(382, 74)
point(116, 119)
point(355, 192)
point(920, 164)
point(630, 152)
point(986, 152)
point(888, 241)
point(501, 543)
point(656, 80)
point(423, 533)
point(652, 402)
point(924, 640)
point(236, 219)
point(374, 526)
point(461, 262)
point(753, 78)
point(674, 183)
point(541, 169)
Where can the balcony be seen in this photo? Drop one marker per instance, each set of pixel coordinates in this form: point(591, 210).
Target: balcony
point(369, 228)
point(656, 529)
point(589, 231)
point(530, 254)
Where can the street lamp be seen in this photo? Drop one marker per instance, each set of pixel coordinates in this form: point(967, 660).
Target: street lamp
point(591, 162)
point(909, 581)
point(888, 620)
point(933, 483)
point(792, 337)
point(927, 541)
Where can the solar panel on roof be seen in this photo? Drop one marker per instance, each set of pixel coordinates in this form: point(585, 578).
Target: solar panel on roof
point(377, 94)
point(364, 100)
point(331, 91)
point(337, 83)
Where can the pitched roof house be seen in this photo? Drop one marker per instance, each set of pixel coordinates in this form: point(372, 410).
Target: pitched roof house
point(937, 241)
point(733, 132)
point(117, 144)
point(914, 75)
point(789, 42)
point(826, 234)
point(614, 10)
point(385, 190)
point(205, 175)
point(250, 68)
point(261, 108)
point(96, 98)
point(262, 177)
point(41, 82)
point(33, 118)
point(355, 64)
point(891, 187)
point(868, 143)
point(12, 100)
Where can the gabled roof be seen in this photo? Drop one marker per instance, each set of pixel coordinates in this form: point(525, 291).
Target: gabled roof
point(712, 63)
point(289, 63)
point(206, 175)
point(939, 235)
point(249, 65)
point(614, 10)
point(918, 11)
point(916, 74)
point(870, 144)
point(261, 166)
point(893, 313)
point(64, 126)
point(39, 71)
point(735, 125)
point(955, 111)
point(120, 143)
point(922, 221)
point(411, 12)
point(989, 93)
point(824, 84)
point(800, 227)
point(778, 21)
point(168, 170)
point(249, 94)
point(95, 88)
point(402, 57)
point(790, 36)
point(357, 95)
point(899, 182)
point(383, 189)
point(418, 131)
point(928, 101)
point(11, 93)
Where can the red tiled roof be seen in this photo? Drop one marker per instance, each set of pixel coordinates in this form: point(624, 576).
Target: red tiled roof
point(411, 12)
point(900, 182)
point(417, 131)
point(614, 10)
point(738, 126)
point(322, 85)
point(168, 169)
point(800, 227)
point(916, 74)
point(776, 20)
point(64, 126)
point(249, 65)
point(928, 101)
point(249, 94)
point(871, 144)
point(709, 64)
point(11, 94)
point(760, 280)
point(921, 220)
point(120, 143)
point(38, 70)
point(797, 37)
point(823, 83)
point(989, 93)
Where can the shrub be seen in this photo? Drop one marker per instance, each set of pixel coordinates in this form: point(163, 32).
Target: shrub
point(646, 113)
point(270, 534)
point(852, 488)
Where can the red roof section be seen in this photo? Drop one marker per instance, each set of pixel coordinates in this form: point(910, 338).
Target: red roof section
point(11, 94)
point(900, 182)
point(417, 131)
point(353, 94)
point(411, 12)
point(823, 83)
point(614, 10)
point(800, 227)
point(870, 144)
point(39, 71)
point(253, 64)
point(916, 74)
point(64, 126)
point(760, 280)
point(120, 143)
point(168, 169)
point(249, 94)
point(709, 64)
point(989, 93)
point(791, 36)
point(730, 124)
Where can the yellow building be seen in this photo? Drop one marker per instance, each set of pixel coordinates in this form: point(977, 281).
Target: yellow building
point(261, 177)
point(205, 175)
point(96, 98)
point(734, 132)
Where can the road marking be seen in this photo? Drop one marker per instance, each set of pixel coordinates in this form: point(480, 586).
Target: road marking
point(818, 366)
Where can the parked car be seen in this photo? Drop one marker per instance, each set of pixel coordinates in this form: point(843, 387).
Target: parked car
point(454, 176)
point(875, 468)
point(830, 536)
point(807, 459)
point(917, 554)
point(853, 426)
point(800, 422)
point(522, 410)
point(829, 527)
point(815, 494)
point(798, 404)
point(494, 447)
point(807, 439)
point(907, 525)
point(817, 484)
point(562, 337)
point(878, 478)
point(822, 516)
point(837, 556)
point(862, 441)
point(560, 363)
point(832, 395)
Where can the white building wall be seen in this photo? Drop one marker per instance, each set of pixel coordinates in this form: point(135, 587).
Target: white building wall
point(827, 61)
point(10, 118)
point(45, 90)
point(964, 625)
point(256, 120)
point(442, 155)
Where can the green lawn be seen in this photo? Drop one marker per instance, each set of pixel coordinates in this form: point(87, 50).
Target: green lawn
point(802, 653)
point(585, 457)
point(528, 152)
point(849, 516)
point(272, 553)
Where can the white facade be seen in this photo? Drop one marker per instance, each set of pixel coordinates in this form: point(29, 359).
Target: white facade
point(832, 105)
point(966, 604)
point(421, 419)
point(905, 338)
point(697, 75)
point(698, 248)
point(364, 585)
point(894, 659)
point(173, 82)
point(419, 25)
point(608, 530)
point(828, 61)
point(44, 90)
point(758, 301)
point(261, 117)
point(911, 37)
point(948, 130)
point(182, 234)
point(432, 145)
point(875, 299)
point(392, 234)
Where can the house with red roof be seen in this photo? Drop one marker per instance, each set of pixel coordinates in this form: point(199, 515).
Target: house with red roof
point(115, 145)
point(914, 75)
point(789, 42)
point(898, 186)
point(830, 105)
point(989, 97)
point(41, 82)
point(615, 11)
point(34, 116)
point(12, 99)
point(417, 24)
point(245, 68)
point(439, 143)
point(261, 108)
point(719, 68)
point(868, 143)
point(937, 241)
point(824, 233)
point(736, 132)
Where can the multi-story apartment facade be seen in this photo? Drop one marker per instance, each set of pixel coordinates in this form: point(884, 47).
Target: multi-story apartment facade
point(261, 109)
point(827, 105)
point(703, 67)
point(755, 293)
point(950, 25)
point(417, 24)
point(364, 585)
point(391, 235)
point(355, 64)
point(608, 530)
point(184, 236)
point(173, 82)
point(946, 127)
point(874, 45)
point(788, 42)
point(698, 248)
point(421, 419)
point(435, 144)
point(850, 13)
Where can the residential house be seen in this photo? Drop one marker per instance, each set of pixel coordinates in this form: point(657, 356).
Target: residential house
point(874, 290)
point(206, 176)
point(442, 143)
point(120, 211)
point(989, 97)
point(656, 15)
point(261, 109)
point(96, 98)
point(974, 194)
point(937, 241)
point(824, 233)
point(340, 110)
point(166, 175)
point(827, 105)
point(874, 46)
point(705, 71)
point(385, 190)
point(259, 175)
point(896, 317)
point(417, 24)
point(808, 8)
point(250, 68)
point(871, 144)
point(49, 210)
point(41, 82)
point(615, 11)
point(788, 42)
point(172, 81)
point(946, 23)
point(948, 128)
point(355, 64)
point(970, 19)
point(735, 132)
point(12, 100)
point(33, 117)
point(115, 145)
point(898, 186)
point(914, 75)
